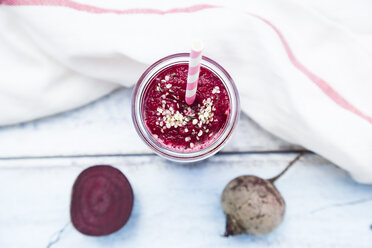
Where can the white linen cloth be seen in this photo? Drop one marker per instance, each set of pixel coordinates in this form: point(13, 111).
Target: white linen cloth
point(303, 70)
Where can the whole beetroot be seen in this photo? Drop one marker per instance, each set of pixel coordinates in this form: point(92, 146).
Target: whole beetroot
point(253, 205)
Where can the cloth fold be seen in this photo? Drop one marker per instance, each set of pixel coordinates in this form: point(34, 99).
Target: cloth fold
point(302, 71)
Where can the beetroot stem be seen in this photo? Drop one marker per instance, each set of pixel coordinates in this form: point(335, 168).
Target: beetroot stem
point(272, 180)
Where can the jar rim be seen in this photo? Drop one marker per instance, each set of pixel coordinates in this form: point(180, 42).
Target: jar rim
point(140, 126)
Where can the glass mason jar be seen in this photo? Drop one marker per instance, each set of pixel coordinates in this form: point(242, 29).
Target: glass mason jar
point(177, 155)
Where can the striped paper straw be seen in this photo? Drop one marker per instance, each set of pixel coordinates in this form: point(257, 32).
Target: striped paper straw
point(194, 69)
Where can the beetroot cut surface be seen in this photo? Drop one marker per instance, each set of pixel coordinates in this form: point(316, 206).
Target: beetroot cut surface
point(101, 201)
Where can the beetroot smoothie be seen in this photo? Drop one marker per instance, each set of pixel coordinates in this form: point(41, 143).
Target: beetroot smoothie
point(182, 127)
point(175, 130)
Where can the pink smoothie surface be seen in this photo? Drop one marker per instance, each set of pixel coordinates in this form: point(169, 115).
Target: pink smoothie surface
point(179, 126)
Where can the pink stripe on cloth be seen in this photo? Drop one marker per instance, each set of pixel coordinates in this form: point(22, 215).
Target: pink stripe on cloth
point(322, 84)
point(193, 70)
point(194, 54)
point(191, 86)
point(99, 10)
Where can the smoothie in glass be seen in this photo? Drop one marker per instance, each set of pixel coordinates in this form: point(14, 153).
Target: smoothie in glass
point(179, 126)
point(174, 129)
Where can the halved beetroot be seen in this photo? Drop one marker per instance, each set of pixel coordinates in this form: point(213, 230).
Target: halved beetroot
point(101, 201)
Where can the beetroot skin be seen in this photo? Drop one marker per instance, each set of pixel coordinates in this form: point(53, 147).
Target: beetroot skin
point(101, 201)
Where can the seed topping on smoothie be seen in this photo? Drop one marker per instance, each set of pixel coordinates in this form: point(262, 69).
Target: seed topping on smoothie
point(180, 125)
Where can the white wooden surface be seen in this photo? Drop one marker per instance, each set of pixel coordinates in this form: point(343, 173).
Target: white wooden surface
point(176, 205)
point(105, 127)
